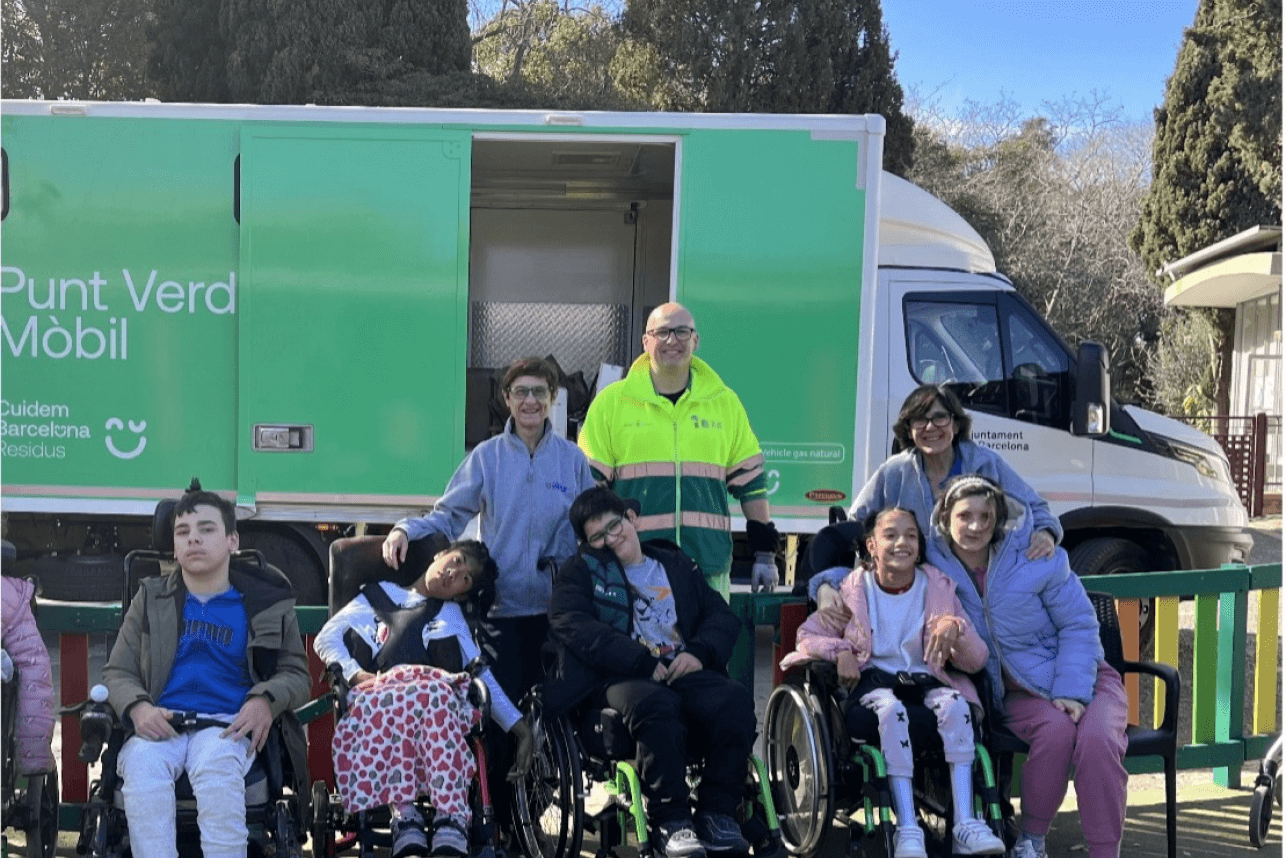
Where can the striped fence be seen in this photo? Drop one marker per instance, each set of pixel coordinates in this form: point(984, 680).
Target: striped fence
point(1218, 675)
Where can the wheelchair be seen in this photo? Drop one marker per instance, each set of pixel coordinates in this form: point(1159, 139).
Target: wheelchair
point(276, 785)
point(31, 807)
point(592, 746)
point(816, 770)
point(355, 562)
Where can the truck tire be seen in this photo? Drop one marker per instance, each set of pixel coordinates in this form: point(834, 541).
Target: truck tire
point(1110, 556)
point(308, 579)
point(78, 578)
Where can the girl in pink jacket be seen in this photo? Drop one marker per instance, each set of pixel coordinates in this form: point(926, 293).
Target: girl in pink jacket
point(34, 723)
point(900, 628)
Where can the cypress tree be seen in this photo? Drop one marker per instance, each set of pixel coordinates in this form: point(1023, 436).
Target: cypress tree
point(1217, 157)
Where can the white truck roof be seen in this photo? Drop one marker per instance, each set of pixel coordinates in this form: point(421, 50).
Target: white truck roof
point(918, 230)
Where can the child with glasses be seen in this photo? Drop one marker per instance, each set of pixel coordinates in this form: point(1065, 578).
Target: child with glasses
point(638, 629)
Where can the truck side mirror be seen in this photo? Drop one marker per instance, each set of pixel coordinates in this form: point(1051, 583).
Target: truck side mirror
point(1093, 391)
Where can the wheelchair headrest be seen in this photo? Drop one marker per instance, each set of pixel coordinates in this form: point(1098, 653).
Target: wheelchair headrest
point(359, 560)
point(163, 526)
point(835, 545)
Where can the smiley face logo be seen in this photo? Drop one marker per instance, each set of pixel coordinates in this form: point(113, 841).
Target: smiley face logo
point(136, 428)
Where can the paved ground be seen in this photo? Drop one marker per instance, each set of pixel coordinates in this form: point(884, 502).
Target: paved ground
point(1213, 822)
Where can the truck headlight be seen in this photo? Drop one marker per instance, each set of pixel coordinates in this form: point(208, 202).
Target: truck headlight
point(1206, 464)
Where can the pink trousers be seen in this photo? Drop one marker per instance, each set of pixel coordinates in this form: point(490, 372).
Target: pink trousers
point(1095, 746)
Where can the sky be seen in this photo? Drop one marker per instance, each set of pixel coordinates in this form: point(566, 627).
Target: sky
point(1034, 51)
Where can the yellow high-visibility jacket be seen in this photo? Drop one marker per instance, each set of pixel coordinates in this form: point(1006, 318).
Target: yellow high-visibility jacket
point(680, 460)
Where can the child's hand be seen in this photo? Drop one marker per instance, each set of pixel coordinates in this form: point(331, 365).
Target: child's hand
point(252, 721)
point(522, 756)
point(942, 640)
point(849, 672)
point(829, 597)
point(151, 722)
point(683, 664)
point(1074, 708)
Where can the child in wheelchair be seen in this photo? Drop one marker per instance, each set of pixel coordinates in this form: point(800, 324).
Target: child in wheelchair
point(405, 654)
point(893, 641)
point(638, 630)
point(24, 652)
point(209, 638)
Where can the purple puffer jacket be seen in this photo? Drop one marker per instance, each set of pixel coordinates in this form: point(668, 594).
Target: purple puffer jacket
point(34, 724)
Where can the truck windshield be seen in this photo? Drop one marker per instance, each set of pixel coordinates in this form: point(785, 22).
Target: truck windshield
point(992, 355)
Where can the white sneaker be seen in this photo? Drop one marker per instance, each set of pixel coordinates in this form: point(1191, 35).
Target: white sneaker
point(971, 836)
point(1024, 849)
point(908, 842)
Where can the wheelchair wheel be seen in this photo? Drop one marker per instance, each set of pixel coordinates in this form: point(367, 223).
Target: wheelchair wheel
point(797, 753)
point(323, 838)
point(42, 815)
point(285, 833)
point(1261, 814)
point(549, 802)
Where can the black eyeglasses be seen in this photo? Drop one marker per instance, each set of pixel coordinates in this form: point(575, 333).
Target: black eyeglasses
point(941, 419)
point(680, 334)
point(612, 528)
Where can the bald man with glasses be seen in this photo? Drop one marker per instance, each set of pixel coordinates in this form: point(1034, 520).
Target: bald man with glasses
point(674, 437)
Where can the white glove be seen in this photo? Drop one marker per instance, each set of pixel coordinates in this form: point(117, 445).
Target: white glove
point(763, 575)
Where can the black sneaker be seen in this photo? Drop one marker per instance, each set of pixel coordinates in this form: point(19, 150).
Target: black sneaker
point(677, 840)
point(408, 838)
point(719, 832)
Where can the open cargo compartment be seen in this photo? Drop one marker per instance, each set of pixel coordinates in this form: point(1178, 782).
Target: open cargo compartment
point(571, 246)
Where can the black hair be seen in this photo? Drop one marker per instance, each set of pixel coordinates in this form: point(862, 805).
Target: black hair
point(195, 496)
point(594, 502)
point(482, 595)
point(919, 403)
point(868, 527)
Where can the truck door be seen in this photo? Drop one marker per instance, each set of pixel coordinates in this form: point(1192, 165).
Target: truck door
point(1013, 375)
point(351, 348)
point(770, 261)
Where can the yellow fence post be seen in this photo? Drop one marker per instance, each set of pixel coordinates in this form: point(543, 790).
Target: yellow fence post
point(1165, 636)
point(1267, 630)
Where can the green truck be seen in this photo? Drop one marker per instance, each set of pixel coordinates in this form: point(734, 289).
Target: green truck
point(305, 307)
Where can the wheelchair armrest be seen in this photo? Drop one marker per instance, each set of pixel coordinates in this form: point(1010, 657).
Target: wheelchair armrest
point(339, 688)
point(1170, 676)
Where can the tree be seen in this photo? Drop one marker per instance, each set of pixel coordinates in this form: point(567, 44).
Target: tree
point(1217, 156)
point(297, 51)
point(563, 53)
point(772, 56)
point(78, 49)
point(1054, 196)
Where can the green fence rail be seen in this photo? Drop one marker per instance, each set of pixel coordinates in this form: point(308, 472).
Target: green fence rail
point(1221, 740)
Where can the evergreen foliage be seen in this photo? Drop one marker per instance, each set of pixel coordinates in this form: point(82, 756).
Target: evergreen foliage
point(1217, 156)
point(771, 56)
point(76, 49)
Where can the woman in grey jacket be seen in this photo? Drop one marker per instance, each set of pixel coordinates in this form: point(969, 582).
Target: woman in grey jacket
point(932, 432)
point(1048, 676)
point(522, 482)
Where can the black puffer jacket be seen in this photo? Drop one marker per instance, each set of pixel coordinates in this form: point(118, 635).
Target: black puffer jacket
point(591, 623)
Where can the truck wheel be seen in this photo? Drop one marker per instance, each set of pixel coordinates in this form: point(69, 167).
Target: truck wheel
point(1109, 556)
point(78, 578)
point(308, 579)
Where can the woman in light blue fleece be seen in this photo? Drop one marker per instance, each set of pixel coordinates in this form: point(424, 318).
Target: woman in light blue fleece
point(522, 482)
point(932, 432)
